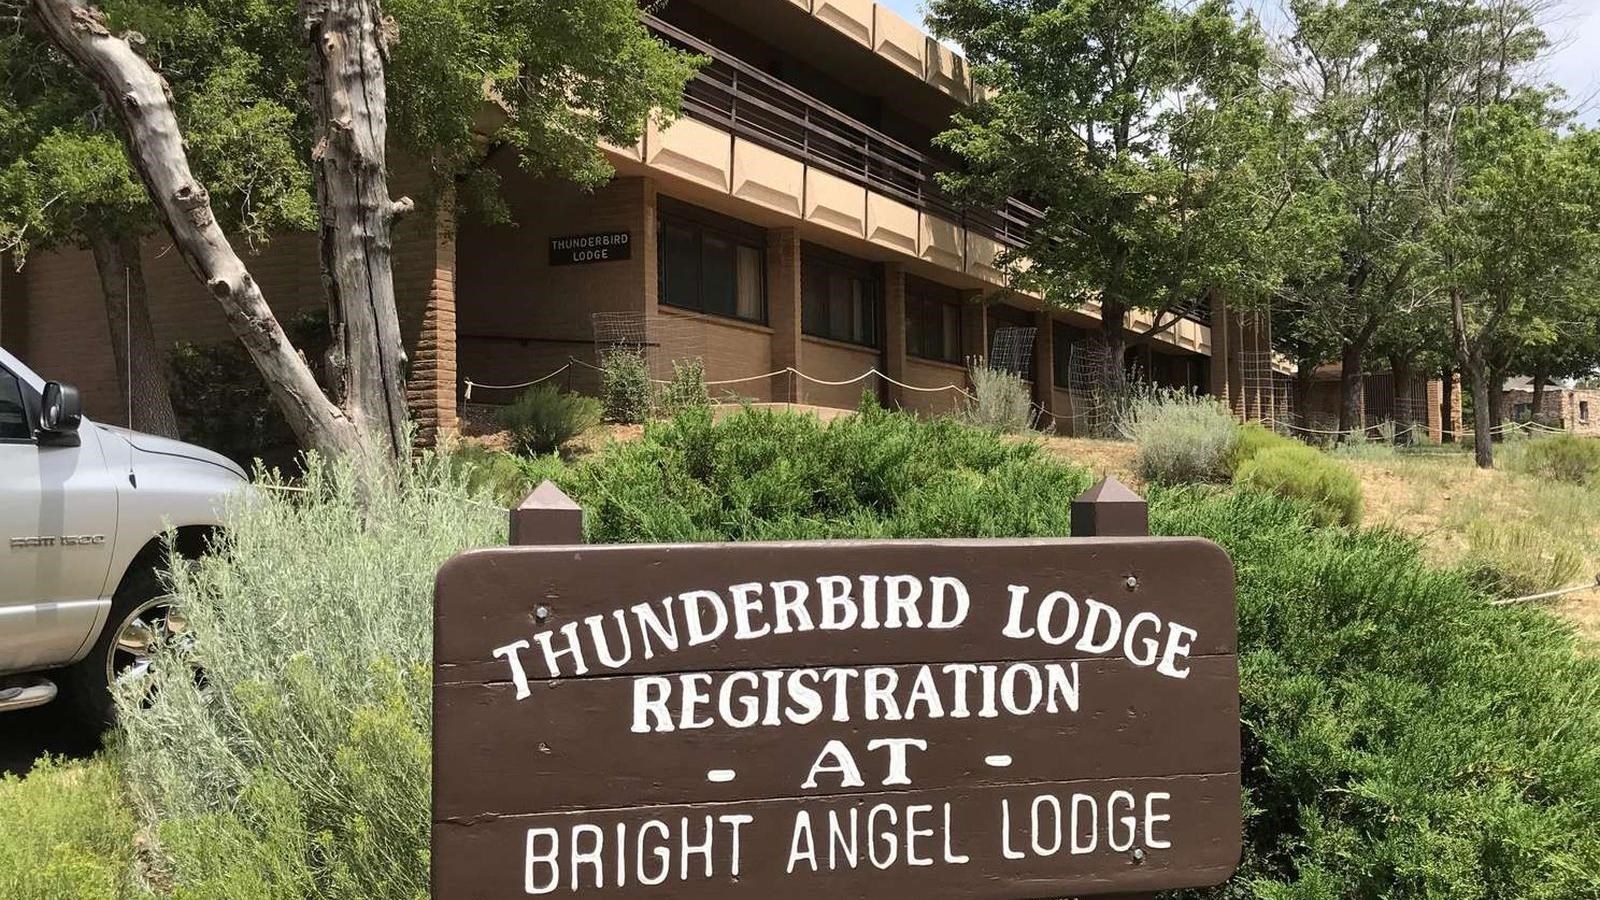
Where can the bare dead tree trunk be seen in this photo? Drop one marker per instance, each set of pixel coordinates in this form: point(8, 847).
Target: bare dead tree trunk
point(347, 51)
point(142, 103)
point(141, 365)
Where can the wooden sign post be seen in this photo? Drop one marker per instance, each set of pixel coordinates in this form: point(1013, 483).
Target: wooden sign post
point(848, 719)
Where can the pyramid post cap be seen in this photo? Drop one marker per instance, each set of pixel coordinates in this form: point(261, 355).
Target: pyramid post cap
point(548, 496)
point(1109, 490)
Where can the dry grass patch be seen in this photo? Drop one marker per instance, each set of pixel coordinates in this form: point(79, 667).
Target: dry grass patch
point(1102, 457)
point(1460, 512)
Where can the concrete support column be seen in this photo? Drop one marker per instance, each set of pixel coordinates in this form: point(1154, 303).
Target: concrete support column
point(974, 326)
point(431, 387)
point(783, 310)
point(1044, 371)
point(1250, 405)
point(1431, 413)
point(894, 331)
point(1220, 317)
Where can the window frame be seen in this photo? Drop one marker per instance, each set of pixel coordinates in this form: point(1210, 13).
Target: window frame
point(30, 409)
point(701, 223)
point(814, 258)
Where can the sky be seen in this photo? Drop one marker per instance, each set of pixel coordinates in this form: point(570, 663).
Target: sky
point(1574, 26)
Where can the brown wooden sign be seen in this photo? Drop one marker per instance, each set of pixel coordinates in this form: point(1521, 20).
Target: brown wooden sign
point(1008, 719)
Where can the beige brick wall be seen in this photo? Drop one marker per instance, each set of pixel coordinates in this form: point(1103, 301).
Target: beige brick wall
point(68, 337)
point(836, 361)
point(13, 307)
point(518, 317)
point(729, 349)
point(928, 373)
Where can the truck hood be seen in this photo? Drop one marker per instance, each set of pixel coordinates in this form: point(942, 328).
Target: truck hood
point(162, 446)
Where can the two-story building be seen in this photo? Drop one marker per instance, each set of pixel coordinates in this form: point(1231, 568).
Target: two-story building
point(789, 222)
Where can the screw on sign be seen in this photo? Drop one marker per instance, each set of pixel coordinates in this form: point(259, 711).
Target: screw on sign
point(947, 718)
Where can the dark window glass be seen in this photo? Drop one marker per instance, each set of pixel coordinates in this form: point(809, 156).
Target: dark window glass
point(1583, 411)
point(719, 281)
point(933, 321)
point(840, 299)
point(711, 270)
point(1065, 337)
point(13, 415)
point(680, 266)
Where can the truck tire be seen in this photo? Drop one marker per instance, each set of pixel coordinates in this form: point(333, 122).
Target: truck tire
point(141, 619)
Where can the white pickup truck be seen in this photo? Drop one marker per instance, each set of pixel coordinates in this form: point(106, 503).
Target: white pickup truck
point(84, 513)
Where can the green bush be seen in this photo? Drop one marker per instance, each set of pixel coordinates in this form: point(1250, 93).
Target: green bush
point(1401, 738)
point(1254, 438)
point(626, 390)
point(1562, 457)
point(1304, 473)
point(1183, 438)
point(223, 404)
point(1000, 400)
point(544, 418)
point(687, 389)
point(65, 832)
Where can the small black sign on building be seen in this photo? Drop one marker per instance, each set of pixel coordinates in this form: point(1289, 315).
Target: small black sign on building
point(584, 249)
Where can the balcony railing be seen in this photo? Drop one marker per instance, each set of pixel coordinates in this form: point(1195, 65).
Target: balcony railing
point(736, 96)
point(748, 102)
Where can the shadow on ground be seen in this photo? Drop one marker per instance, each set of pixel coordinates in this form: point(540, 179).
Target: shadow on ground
point(46, 730)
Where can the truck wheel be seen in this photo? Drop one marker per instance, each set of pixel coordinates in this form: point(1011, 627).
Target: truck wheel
point(142, 620)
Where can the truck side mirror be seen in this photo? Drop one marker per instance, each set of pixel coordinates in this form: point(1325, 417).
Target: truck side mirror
point(61, 410)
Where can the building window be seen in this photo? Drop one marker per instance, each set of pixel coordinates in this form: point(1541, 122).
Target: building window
point(1065, 337)
point(1583, 412)
point(1013, 337)
point(711, 266)
point(840, 298)
point(933, 321)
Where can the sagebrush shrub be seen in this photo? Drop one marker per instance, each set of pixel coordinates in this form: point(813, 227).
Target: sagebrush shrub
point(1401, 738)
point(1305, 473)
point(626, 391)
point(301, 767)
point(686, 390)
point(1182, 438)
point(1563, 457)
point(1518, 560)
point(544, 418)
point(1000, 400)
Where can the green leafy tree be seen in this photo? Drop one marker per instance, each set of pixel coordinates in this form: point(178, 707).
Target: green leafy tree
point(549, 78)
point(67, 182)
point(1515, 241)
point(1141, 129)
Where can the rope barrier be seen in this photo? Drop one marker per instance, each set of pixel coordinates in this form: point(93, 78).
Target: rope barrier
point(787, 370)
point(516, 387)
point(1548, 595)
point(1503, 428)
